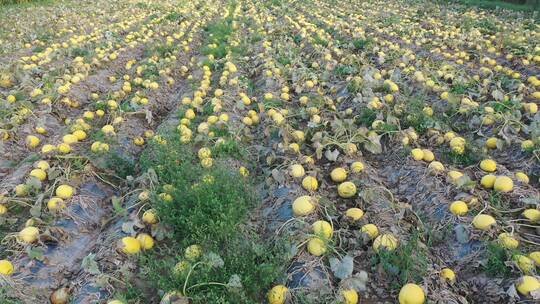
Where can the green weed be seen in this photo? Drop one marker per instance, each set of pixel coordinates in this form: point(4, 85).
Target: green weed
point(117, 162)
point(498, 201)
point(470, 156)
point(527, 7)
point(366, 117)
point(174, 16)
point(361, 44)
point(415, 116)
point(208, 208)
point(5, 298)
point(407, 263)
point(228, 148)
point(495, 261)
point(345, 70)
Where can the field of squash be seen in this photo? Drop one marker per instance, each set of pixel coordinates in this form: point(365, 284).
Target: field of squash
point(250, 151)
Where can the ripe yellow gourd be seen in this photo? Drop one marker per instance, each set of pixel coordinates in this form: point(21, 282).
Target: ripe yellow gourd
point(32, 141)
point(347, 189)
point(357, 167)
point(130, 245)
point(39, 174)
point(145, 240)
point(525, 264)
point(370, 230)
point(64, 191)
point(522, 177)
point(532, 215)
point(459, 208)
point(204, 153)
point(207, 162)
point(436, 167)
point(322, 229)
point(43, 165)
point(63, 148)
point(354, 213)
point(526, 284)
point(428, 156)
point(55, 203)
point(304, 205)
point(448, 275)
point(139, 141)
point(535, 256)
point(491, 143)
point(527, 144)
point(503, 184)
point(29, 234)
point(454, 175)
point(417, 154)
point(193, 252)
point(166, 197)
point(385, 241)
point(6, 268)
point(316, 246)
point(350, 296)
point(48, 149)
point(309, 183)
point(243, 171)
point(488, 181)
point(338, 175)
point(70, 139)
point(297, 171)
point(508, 241)
point(488, 165)
point(483, 221)
point(457, 144)
point(108, 130)
point(150, 217)
point(278, 294)
point(411, 294)
point(350, 149)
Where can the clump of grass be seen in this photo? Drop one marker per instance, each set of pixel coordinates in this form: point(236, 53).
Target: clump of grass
point(460, 88)
point(151, 71)
point(206, 212)
point(209, 208)
point(470, 156)
point(228, 148)
point(415, 117)
point(354, 86)
point(129, 294)
point(160, 49)
point(366, 116)
point(343, 70)
point(272, 103)
point(218, 33)
point(528, 7)
point(407, 263)
point(6, 299)
point(495, 261)
point(117, 162)
point(505, 106)
point(320, 41)
point(24, 3)
point(174, 16)
point(79, 52)
point(498, 202)
point(361, 44)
